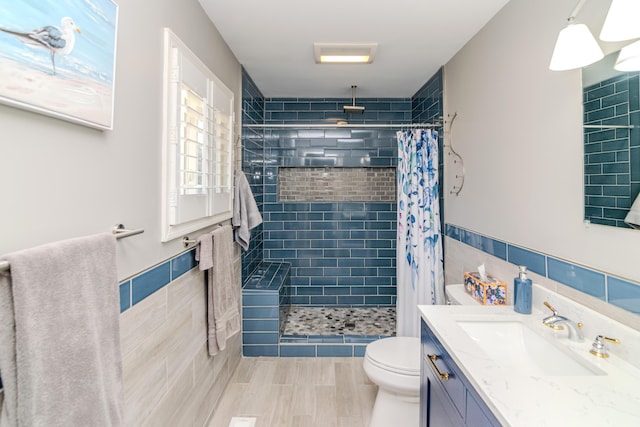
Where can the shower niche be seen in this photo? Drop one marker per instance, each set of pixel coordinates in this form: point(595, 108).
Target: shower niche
point(337, 184)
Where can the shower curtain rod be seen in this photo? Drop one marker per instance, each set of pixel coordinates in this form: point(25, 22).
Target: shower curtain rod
point(347, 125)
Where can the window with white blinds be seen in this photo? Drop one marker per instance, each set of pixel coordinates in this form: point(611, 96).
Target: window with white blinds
point(198, 144)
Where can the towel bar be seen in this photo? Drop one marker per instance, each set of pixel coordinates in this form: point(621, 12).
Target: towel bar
point(122, 232)
point(186, 241)
point(118, 229)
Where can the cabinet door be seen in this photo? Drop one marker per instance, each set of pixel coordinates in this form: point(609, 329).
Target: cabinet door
point(437, 409)
point(477, 413)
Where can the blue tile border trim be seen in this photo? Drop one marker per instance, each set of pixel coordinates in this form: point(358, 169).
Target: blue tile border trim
point(135, 289)
point(149, 282)
point(125, 295)
point(308, 346)
point(580, 278)
point(313, 346)
point(623, 294)
point(614, 290)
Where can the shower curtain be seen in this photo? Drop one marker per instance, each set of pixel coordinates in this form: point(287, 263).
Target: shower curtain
point(420, 277)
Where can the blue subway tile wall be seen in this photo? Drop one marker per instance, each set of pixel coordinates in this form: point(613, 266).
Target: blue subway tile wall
point(329, 110)
point(427, 107)
point(611, 155)
point(322, 272)
point(426, 104)
point(136, 289)
point(342, 253)
point(252, 165)
point(619, 292)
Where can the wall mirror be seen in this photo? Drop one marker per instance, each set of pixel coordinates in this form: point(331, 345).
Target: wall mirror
point(611, 119)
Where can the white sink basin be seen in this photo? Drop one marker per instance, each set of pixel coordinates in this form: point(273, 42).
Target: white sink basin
point(518, 348)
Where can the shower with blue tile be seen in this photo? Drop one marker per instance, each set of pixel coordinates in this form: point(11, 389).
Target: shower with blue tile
point(319, 278)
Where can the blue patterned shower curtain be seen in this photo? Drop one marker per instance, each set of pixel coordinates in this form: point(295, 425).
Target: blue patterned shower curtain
point(420, 277)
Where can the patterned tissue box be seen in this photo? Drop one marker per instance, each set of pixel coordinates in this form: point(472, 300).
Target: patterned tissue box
point(491, 292)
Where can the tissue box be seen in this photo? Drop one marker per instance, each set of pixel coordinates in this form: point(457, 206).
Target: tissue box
point(491, 292)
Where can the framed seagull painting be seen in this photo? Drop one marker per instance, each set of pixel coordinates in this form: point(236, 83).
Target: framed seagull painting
point(58, 57)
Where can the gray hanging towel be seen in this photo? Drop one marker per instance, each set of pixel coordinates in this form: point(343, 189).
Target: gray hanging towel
point(223, 315)
point(246, 215)
point(60, 335)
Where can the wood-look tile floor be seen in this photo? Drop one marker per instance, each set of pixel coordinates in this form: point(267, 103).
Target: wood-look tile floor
point(298, 392)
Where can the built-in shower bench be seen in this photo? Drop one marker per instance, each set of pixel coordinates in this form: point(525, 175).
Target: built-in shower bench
point(265, 305)
point(266, 302)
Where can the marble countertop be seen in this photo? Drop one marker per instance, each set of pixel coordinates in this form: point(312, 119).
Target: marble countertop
point(610, 398)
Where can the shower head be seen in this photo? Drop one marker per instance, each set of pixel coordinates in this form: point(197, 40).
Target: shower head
point(353, 108)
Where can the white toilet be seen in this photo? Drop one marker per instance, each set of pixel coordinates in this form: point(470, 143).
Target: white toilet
point(393, 364)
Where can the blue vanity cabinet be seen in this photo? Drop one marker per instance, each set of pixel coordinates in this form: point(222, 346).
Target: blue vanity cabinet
point(450, 402)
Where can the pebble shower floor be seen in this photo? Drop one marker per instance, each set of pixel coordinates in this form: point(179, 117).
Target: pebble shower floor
point(340, 321)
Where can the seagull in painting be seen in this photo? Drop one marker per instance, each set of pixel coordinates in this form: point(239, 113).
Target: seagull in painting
point(57, 40)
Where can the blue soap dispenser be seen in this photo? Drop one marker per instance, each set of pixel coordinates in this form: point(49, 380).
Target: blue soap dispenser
point(522, 288)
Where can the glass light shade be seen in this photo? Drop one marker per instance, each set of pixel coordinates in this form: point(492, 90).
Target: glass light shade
point(575, 47)
point(633, 217)
point(622, 21)
point(629, 58)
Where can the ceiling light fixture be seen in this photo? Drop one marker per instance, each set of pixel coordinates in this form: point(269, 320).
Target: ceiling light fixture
point(621, 22)
point(575, 47)
point(629, 58)
point(344, 53)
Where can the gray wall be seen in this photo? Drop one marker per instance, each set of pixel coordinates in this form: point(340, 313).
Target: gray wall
point(60, 180)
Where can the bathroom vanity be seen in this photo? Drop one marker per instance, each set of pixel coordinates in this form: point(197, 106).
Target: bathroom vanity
point(489, 366)
point(447, 397)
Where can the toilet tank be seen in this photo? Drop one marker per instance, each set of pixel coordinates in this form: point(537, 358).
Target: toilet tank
point(457, 296)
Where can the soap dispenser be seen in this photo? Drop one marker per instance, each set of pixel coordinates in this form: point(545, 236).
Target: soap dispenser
point(522, 289)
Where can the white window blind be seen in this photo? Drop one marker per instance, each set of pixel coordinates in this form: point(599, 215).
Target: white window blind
point(198, 161)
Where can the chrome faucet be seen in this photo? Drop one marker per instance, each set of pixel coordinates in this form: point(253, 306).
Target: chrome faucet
point(558, 322)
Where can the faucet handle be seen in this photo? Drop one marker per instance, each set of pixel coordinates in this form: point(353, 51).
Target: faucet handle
point(599, 349)
point(549, 321)
point(552, 308)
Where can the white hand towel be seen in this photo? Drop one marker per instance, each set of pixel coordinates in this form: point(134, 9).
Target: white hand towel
point(246, 215)
point(60, 335)
point(223, 317)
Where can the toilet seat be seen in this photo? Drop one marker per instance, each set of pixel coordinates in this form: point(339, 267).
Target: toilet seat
point(400, 355)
